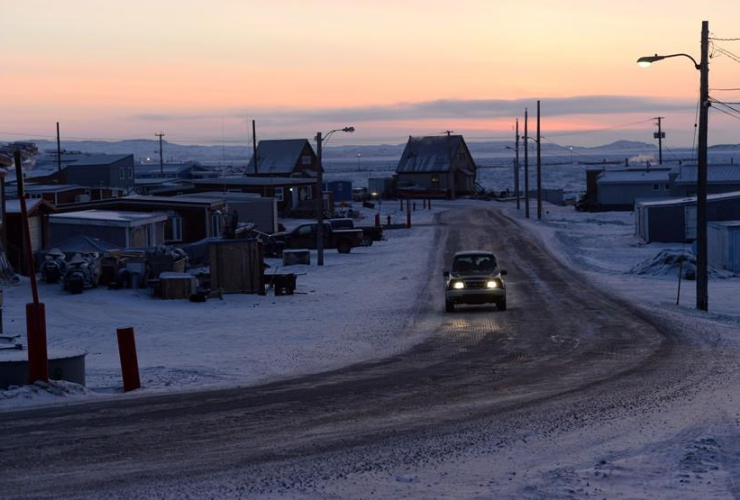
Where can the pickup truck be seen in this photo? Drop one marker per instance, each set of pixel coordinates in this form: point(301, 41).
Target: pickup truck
point(369, 233)
point(304, 236)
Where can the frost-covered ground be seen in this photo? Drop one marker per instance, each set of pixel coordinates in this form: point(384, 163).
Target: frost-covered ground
point(352, 309)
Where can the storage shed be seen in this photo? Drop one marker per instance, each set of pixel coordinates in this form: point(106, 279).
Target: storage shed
point(723, 243)
point(618, 189)
point(125, 229)
point(674, 219)
point(342, 190)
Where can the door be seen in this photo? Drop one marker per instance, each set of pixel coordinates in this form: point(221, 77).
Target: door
point(689, 217)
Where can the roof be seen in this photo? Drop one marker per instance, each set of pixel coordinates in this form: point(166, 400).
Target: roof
point(168, 200)
point(167, 168)
point(429, 154)
point(107, 218)
point(50, 188)
point(474, 252)
point(278, 156)
point(84, 244)
point(633, 177)
point(14, 206)
point(255, 181)
point(726, 223)
point(97, 159)
point(688, 200)
point(716, 174)
point(223, 196)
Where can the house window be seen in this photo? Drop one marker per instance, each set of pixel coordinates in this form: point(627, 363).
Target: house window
point(176, 228)
point(130, 172)
point(87, 192)
point(216, 225)
point(121, 173)
point(278, 193)
point(306, 160)
point(667, 187)
point(656, 187)
point(34, 196)
point(435, 179)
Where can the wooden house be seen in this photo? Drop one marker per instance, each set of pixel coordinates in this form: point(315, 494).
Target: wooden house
point(284, 158)
point(436, 166)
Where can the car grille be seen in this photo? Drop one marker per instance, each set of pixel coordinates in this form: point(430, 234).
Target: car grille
point(475, 284)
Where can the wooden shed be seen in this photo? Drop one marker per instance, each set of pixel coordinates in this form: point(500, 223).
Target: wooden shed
point(236, 266)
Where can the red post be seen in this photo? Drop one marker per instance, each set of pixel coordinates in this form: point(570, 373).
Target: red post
point(129, 362)
point(38, 364)
point(377, 220)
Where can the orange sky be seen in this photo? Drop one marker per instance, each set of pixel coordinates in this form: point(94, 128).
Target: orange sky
point(204, 69)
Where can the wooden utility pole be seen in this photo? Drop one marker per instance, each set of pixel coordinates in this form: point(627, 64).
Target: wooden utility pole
point(451, 178)
point(526, 165)
point(161, 155)
point(539, 166)
point(702, 278)
point(319, 203)
point(660, 135)
point(59, 150)
point(516, 167)
point(254, 146)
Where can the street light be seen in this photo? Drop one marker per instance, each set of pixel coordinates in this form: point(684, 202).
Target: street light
point(320, 190)
point(702, 281)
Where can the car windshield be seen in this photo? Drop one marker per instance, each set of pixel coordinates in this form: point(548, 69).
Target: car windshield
point(474, 263)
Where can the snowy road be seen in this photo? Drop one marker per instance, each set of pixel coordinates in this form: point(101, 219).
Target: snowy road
point(569, 393)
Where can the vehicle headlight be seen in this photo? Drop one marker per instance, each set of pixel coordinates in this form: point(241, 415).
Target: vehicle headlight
point(492, 284)
point(458, 285)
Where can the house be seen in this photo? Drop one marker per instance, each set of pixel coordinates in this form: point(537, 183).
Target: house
point(720, 179)
point(125, 229)
point(250, 207)
point(39, 211)
point(289, 192)
point(188, 218)
point(618, 189)
point(723, 245)
point(89, 170)
point(187, 170)
point(674, 219)
point(61, 194)
point(436, 166)
point(284, 158)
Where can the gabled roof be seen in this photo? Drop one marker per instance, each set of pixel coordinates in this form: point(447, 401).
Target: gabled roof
point(429, 154)
point(689, 200)
point(97, 159)
point(278, 156)
point(32, 206)
point(716, 174)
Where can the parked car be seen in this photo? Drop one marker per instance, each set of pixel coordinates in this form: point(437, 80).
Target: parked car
point(369, 233)
point(475, 278)
point(304, 236)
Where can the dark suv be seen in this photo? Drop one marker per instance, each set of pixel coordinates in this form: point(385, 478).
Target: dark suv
point(475, 278)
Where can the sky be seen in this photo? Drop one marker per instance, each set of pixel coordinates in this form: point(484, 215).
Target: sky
point(201, 71)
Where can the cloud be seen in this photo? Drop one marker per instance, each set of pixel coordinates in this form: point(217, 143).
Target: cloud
point(449, 108)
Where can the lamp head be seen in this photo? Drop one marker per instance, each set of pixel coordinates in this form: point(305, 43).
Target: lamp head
point(348, 129)
point(645, 62)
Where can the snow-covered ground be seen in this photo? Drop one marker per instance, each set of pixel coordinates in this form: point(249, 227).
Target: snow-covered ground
point(350, 310)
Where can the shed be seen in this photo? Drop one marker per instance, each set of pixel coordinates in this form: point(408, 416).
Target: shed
point(723, 244)
point(251, 207)
point(342, 190)
point(618, 189)
point(126, 229)
point(674, 219)
point(236, 266)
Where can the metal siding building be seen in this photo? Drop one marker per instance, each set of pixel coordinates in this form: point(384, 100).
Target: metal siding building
point(342, 190)
point(674, 220)
point(724, 245)
point(720, 179)
point(619, 189)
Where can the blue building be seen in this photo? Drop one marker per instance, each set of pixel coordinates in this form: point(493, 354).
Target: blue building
point(342, 190)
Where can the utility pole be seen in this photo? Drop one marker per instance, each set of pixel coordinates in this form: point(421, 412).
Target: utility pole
point(254, 146)
point(526, 165)
point(451, 178)
point(660, 135)
point(516, 166)
point(161, 157)
point(59, 150)
point(702, 279)
point(319, 205)
point(539, 166)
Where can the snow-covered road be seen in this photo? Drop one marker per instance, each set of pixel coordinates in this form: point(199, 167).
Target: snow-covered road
point(570, 393)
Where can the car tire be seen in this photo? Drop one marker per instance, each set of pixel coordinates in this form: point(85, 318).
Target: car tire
point(344, 247)
point(367, 241)
point(449, 306)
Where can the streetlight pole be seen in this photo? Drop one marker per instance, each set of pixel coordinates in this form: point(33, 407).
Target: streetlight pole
point(526, 165)
point(320, 191)
point(702, 278)
point(516, 166)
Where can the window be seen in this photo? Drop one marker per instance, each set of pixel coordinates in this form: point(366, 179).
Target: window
point(130, 172)
point(667, 187)
point(304, 230)
point(306, 160)
point(34, 196)
point(656, 187)
point(435, 179)
point(121, 173)
point(216, 225)
point(176, 228)
point(278, 193)
point(309, 193)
